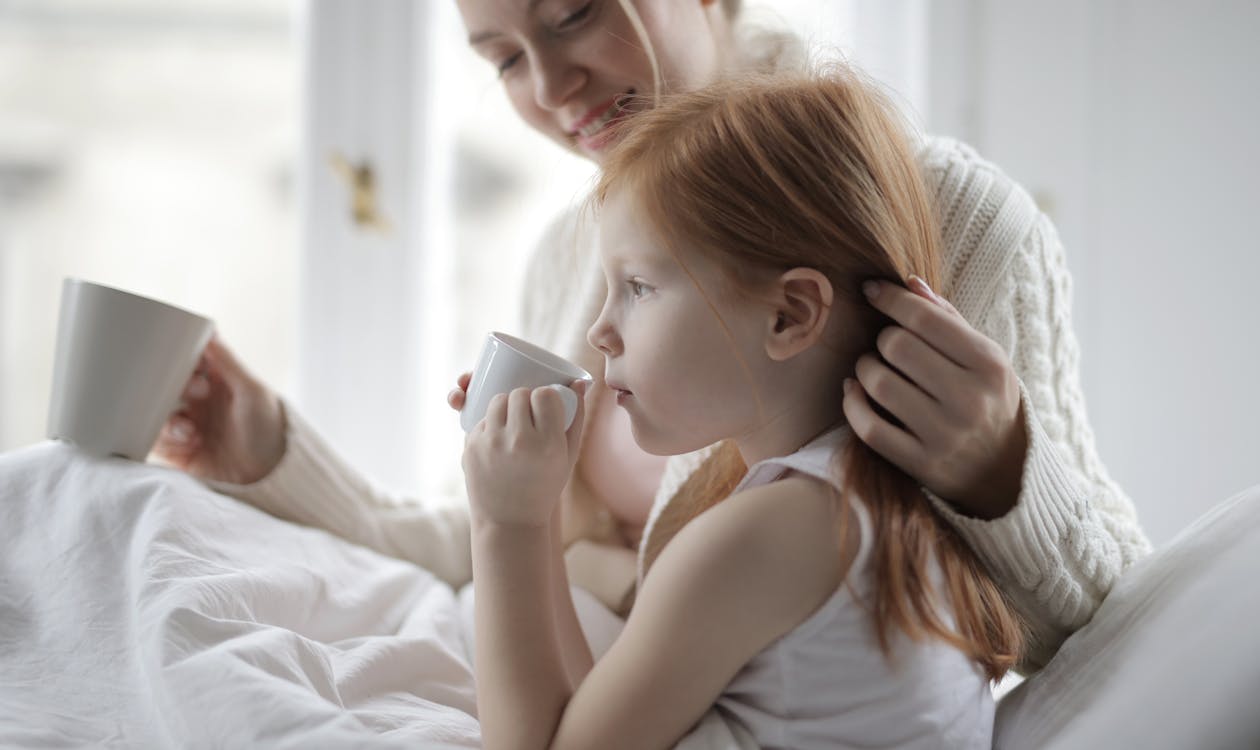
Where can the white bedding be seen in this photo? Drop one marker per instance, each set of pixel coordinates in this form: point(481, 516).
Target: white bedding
point(139, 609)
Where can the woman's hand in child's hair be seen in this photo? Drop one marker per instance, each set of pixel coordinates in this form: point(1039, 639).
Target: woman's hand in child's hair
point(518, 459)
point(230, 427)
point(955, 395)
point(459, 393)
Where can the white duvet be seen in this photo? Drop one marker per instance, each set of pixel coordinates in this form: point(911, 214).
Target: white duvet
point(139, 609)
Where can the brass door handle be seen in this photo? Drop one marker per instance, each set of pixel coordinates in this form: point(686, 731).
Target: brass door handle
point(360, 179)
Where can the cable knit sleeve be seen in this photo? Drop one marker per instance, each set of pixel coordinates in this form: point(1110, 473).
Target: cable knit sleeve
point(1072, 531)
point(314, 486)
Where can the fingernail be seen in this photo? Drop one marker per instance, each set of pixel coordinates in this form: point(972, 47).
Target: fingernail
point(180, 432)
point(918, 281)
point(198, 389)
point(870, 289)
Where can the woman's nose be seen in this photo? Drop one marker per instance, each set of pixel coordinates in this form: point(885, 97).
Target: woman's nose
point(556, 81)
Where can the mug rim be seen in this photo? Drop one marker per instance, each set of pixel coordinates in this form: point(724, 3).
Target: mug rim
point(81, 282)
point(527, 350)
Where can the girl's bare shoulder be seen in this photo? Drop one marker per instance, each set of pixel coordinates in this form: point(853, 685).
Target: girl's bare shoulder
point(791, 541)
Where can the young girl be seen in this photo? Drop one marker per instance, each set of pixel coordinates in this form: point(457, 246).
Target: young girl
point(815, 597)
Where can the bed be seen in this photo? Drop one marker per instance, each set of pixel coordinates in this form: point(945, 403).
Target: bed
point(140, 609)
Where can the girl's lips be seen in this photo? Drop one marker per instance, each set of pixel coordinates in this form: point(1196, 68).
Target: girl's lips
point(622, 393)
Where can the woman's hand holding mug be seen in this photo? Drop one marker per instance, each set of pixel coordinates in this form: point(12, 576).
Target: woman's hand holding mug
point(230, 427)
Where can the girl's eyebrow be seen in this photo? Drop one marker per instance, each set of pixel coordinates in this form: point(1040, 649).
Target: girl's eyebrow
point(478, 37)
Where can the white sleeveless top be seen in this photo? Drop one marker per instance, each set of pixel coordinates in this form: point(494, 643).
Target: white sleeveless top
point(826, 684)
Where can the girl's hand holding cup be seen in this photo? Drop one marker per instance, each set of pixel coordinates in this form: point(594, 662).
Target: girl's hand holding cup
point(518, 459)
point(522, 410)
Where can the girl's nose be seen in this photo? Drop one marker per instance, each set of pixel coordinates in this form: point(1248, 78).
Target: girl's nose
point(603, 337)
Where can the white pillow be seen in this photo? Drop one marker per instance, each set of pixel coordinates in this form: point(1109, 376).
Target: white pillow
point(1170, 660)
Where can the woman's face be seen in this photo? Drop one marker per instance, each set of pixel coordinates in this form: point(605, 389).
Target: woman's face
point(573, 67)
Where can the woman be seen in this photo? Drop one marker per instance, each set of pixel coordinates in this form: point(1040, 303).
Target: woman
point(1002, 446)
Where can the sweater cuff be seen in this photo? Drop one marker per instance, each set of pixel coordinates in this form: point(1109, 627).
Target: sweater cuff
point(311, 485)
point(1024, 545)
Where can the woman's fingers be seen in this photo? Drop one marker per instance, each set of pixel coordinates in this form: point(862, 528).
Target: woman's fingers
point(917, 411)
point(220, 360)
point(178, 440)
point(885, 438)
point(938, 326)
point(198, 386)
point(921, 364)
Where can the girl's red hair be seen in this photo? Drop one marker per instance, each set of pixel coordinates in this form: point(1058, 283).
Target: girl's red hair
point(771, 173)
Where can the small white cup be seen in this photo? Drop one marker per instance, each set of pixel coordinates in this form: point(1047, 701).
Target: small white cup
point(122, 361)
point(506, 363)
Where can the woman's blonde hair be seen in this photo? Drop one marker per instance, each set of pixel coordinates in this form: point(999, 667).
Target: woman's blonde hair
point(768, 173)
point(755, 48)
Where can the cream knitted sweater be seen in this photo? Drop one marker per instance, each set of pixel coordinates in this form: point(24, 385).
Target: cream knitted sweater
point(1057, 553)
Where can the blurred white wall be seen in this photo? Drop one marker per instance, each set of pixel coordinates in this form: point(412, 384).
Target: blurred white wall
point(146, 145)
point(1131, 122)
point(1134, 125)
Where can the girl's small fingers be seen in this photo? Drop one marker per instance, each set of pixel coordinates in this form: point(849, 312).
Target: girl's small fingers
point(548, 410)
point(574, 433)
point(463, 380)
point(519, 412)
point(885, 438)
point(456, 399)
point(496, 411)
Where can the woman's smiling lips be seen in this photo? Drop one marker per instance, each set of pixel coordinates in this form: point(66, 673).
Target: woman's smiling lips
point(590, 129)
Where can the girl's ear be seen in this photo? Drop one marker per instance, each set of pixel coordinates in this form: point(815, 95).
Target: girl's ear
point(802, 299)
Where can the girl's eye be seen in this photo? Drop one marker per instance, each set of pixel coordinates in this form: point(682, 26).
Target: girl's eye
point(509, 62)
point(575, 17)
point(637, 288)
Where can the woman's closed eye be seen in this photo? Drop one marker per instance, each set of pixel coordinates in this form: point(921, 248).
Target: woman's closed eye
point(508, 62)
point(575, 18)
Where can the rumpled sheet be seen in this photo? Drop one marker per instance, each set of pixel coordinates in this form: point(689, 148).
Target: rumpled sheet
point(139, 609)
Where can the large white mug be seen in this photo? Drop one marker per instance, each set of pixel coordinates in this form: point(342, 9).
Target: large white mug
point(122, 361)
point(506, 363)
